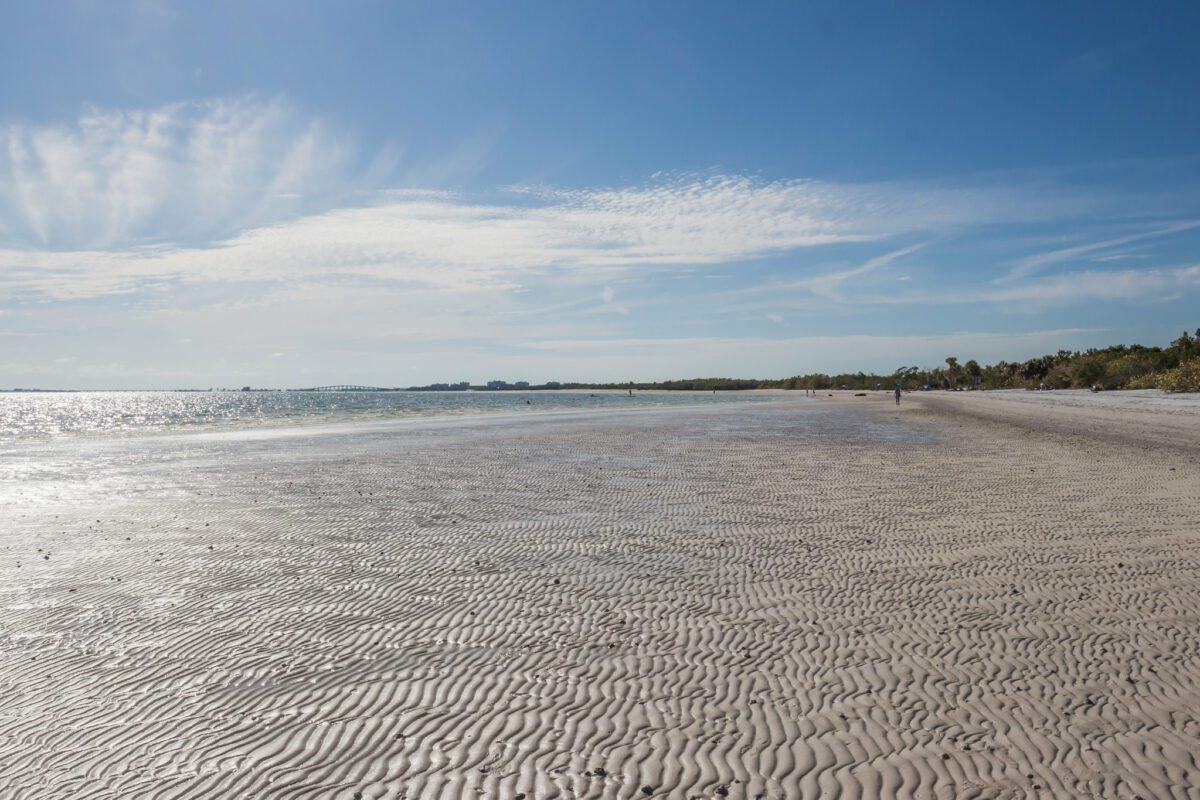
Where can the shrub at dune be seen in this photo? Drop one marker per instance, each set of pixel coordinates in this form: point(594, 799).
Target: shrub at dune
point(1184, 378)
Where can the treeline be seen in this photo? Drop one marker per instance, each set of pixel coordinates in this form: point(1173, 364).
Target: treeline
point(691, 384)
point(1175, 368)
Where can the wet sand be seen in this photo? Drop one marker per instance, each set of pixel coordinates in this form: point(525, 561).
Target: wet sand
point(830, 599)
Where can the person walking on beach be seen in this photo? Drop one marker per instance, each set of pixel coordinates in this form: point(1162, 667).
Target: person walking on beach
point(897, 395)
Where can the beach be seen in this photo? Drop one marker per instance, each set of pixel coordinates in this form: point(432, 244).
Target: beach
point(966, 595)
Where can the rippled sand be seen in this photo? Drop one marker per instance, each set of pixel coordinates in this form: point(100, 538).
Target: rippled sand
point(840, 599)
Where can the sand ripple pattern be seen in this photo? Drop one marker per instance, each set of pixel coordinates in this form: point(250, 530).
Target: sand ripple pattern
point(747, 603)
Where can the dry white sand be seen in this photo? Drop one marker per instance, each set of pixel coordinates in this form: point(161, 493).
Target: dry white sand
point(1145, 418)
point(837, 599)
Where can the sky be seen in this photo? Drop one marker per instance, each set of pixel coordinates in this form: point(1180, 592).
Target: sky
point(290, 194)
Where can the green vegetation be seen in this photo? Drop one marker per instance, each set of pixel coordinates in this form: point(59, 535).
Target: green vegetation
point(1184, 378)
point(1175, 368)
point(692, 384)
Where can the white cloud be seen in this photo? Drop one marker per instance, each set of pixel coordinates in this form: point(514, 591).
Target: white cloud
point(450, 241)
point(828, 285)
point(644, 358)
point(443, 240)
point(1081, 287)
point(814, 341)
point(1031, 294)
point(1069, 288)
point(180, 173)
point(1031, 264)
point(250, 190)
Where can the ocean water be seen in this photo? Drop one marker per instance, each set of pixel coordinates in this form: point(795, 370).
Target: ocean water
point(58, 414)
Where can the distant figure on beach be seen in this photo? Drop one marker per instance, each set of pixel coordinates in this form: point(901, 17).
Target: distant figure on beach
point(897, 395)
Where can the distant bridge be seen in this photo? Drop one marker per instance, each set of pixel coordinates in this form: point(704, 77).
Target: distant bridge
point(344, 388)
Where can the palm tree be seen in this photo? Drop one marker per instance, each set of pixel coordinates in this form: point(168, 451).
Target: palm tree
point(975, 371)
point(952, 370)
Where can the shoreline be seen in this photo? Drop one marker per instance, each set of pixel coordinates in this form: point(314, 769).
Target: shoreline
point(295, 425)
point(1135, 417)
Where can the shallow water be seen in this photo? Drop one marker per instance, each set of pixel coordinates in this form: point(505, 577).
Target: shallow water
point(54, 414)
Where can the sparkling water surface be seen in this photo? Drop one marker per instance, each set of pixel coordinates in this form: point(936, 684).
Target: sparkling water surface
point(58, 414)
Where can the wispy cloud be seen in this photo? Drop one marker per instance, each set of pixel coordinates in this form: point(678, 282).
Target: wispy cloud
point(706, 341)
point(1031, 264)
point(1093, 285)
point(187, 172)
point(451, 241)
point(763, 356)
point(828, 284)
point(1069, 288)
point(250, 190)
point(446, 241)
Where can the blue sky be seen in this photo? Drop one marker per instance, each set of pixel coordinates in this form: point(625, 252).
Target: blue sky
point(294, 193)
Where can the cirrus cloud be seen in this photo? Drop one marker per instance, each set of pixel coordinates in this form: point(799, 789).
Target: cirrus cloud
point(232, 191)
point(185, 172)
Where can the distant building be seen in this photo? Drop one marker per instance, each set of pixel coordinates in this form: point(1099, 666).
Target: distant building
point(521, 384)
point(497, 384)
